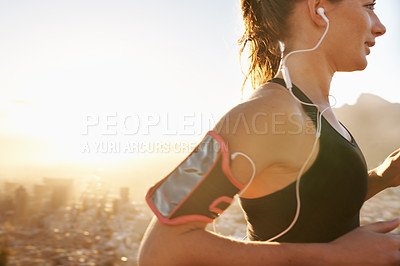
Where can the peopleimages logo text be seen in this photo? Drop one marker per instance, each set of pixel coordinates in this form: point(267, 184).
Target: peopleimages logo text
point(193, 124)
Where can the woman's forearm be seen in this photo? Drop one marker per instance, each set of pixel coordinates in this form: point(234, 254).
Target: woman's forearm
point(375, 184)
point(385, 175)
point(166, 245)
point(169, 245)
point(205, 248)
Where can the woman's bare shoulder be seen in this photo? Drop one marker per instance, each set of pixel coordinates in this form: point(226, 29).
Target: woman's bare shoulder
point(269, 108)
point(271, 127)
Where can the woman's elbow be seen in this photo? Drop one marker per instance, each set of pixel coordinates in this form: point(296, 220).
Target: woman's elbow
point(149, 252)
point(159, 244)
point(165, 245)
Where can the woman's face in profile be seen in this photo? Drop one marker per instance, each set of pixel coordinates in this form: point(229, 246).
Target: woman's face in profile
point(354, 27)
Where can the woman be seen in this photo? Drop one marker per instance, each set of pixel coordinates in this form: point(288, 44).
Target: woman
point(277, 129)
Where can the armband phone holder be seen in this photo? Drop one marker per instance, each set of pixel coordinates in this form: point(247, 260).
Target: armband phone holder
point(200, 188)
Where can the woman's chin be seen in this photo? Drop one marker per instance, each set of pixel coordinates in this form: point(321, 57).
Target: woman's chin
point(359, 66)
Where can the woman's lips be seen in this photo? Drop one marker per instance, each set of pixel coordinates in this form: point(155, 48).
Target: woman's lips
point(368, 45)
point(367, 49)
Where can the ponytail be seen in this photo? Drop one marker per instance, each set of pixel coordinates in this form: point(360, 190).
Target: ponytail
point(265, 25)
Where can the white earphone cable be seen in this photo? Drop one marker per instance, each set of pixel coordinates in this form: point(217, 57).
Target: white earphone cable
point(289, 85)
point(233, 156)
point(318, 134)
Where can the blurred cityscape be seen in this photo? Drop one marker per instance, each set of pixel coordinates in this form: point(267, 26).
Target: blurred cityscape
point(54, 223)
point(46, 224)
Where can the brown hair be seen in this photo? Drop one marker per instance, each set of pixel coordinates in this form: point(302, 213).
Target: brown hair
point(265, 24)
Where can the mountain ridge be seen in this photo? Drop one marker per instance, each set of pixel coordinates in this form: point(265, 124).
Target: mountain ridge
point(375, 124)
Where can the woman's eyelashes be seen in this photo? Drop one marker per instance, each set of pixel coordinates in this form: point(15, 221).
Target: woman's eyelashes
point(371, 6)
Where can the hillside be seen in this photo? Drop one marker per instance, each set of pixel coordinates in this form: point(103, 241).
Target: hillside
point(375, 124)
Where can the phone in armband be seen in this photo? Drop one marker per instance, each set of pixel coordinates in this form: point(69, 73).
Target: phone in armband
point(200, 188)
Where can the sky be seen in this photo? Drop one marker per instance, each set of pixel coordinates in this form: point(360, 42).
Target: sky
point(80, 73)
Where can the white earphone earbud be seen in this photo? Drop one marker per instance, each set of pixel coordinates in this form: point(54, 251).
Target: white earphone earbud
point(321, 11)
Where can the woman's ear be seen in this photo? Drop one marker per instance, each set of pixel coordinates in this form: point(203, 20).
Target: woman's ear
point(317, 9)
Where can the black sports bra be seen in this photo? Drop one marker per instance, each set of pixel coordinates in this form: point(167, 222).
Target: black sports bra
point(332, 192)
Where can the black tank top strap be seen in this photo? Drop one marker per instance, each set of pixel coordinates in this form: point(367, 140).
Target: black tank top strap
point(310, 110)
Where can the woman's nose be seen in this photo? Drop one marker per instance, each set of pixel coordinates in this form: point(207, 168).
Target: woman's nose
point(378, 29)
